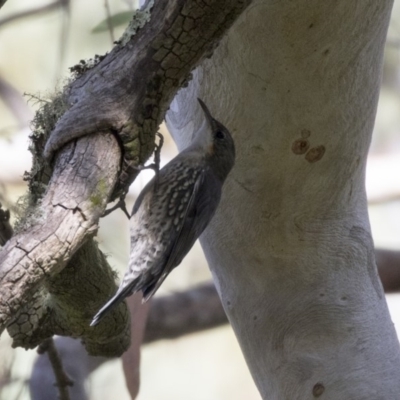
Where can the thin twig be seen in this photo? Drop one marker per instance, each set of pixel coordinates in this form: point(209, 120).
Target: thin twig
point(109, 23)
point(33, 11)
point(64, 34)
point(15, 102)
point(36, 98)
point(62, 379)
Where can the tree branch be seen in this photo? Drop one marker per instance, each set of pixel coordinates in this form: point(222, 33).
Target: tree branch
point(109, 23)
point(126, 93)
point(388, 262)
point(38, 300)
point(62, 379)
point(184, 312)
point(161, 47)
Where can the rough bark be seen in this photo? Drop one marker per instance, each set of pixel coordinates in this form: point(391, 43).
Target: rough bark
point(125, 94)
point(290, 247)
point(40, 297)
point(129, 91)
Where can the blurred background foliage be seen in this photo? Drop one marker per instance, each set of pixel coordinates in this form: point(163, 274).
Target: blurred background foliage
point(38, 42)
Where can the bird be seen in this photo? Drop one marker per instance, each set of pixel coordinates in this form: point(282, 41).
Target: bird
point(174, 209)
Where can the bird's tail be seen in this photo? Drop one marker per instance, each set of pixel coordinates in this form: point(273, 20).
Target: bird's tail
point(122, 292)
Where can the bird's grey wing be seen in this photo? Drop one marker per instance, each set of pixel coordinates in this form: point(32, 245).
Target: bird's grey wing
point(203, 202)
point(159, 246)
point(163, 178)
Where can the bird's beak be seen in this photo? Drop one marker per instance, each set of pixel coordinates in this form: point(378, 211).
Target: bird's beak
point(207, 113)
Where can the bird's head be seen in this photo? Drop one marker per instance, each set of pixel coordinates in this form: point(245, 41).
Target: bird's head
point(217, 143)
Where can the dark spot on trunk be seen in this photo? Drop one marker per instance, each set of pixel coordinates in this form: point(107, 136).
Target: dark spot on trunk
point(318, 389)
point(300, 146)
point(315, 154)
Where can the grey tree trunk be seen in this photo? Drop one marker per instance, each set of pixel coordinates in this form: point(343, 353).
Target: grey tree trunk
point(290, 248)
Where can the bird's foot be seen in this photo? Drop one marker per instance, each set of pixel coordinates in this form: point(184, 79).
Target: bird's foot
point(120, 204)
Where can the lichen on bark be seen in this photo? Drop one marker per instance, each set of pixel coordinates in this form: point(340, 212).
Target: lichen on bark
point(103, 126)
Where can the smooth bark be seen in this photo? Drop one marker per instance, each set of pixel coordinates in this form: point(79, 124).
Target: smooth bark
point(290, 247)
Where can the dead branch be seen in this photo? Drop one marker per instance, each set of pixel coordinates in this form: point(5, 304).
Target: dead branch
point(63, 299)
point(125, 94)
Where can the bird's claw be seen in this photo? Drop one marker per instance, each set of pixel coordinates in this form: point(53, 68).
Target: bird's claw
point(120, 204)
point(155, 166)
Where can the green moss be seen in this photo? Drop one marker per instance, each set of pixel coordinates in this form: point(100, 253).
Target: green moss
point(43, 124)
point(100, 193)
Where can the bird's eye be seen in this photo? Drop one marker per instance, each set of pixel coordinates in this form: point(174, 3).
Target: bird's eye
point(220, 135)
